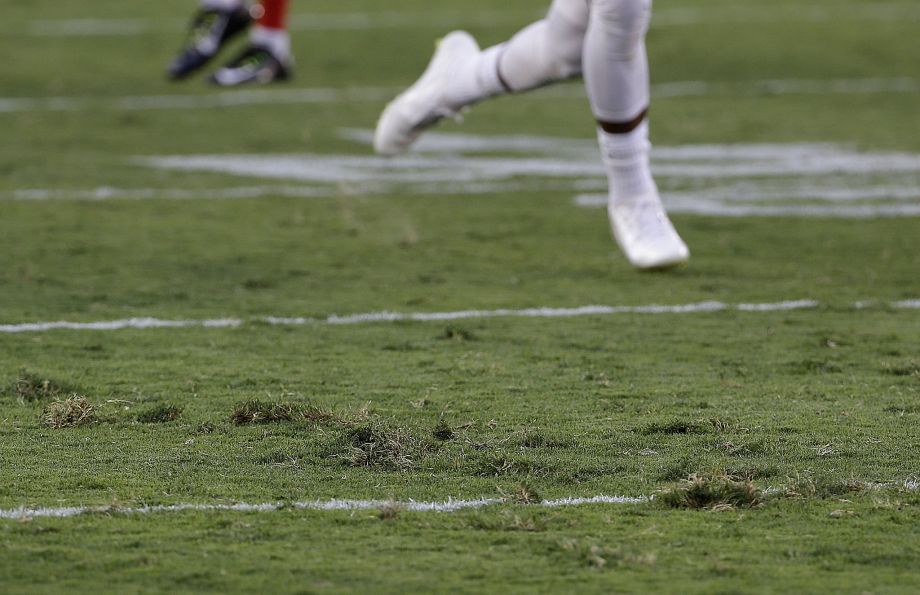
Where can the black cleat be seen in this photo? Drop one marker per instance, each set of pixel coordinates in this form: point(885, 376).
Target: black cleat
point(209, 32)
point(255, 65)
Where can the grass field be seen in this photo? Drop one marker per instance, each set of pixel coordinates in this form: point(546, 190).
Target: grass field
point(346, 340)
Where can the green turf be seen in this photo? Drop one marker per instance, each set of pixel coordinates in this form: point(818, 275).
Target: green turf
point(817, 408)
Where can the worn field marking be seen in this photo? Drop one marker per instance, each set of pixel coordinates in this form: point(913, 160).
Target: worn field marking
point(112, 193)
point(362, 21)
point(321, 505)
point(320, 95)
point(809, 179)
point(820, 180)
point(379, 317)
point(697, 203)
point(446, 506)
point(346, 21)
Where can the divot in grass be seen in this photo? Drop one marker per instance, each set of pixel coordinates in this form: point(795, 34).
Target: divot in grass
point(442, 431)
point(523, 493)
point(674, 427)
point(72, 412)
point(712, 492)
point(30, 387)
point(160, 414)
point(388, 448)
point(266, 412)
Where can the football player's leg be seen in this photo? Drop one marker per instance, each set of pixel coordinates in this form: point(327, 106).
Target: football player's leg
point(617, 79)
point(213, 25)
point(268, 56)
point(547, 51)
point(460, 74)
point(271, 29)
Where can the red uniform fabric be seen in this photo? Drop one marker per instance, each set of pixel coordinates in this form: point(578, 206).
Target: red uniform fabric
point(274, 14)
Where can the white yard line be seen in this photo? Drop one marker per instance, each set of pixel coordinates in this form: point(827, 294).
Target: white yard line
point(432, 20)
point(320, 505)
point(323, 95)
point(336, 504)
point(698, 203)
point(116, 325)
point(727, 180)
point(208, 101)
point(739, 180)
point(378, 317)
point(113, 193)
point(346, 21)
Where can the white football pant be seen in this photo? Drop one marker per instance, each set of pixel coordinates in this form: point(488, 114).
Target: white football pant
point(603, 40)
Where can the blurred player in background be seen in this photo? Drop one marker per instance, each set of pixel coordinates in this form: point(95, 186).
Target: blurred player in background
point(603, 40)
point(265, 59)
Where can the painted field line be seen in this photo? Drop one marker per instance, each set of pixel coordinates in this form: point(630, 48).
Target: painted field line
point(344, 21)
point(324, 95)
point(112, 193)
point(320, 505)
point(115, 325)
point(697, 203)
point(372, 317)
point(363, 21)
point(336, 504)
point(377, 317)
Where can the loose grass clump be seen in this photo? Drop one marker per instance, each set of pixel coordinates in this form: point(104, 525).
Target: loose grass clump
point(390, 511)
point(262, 412)
point(523, 493)
point(442, 431)
point(160, 414)
point(390, 448)
point(458, 333)
point(535, 439)
point(903, 368)
point(674, 427)
point(601, 557)
point(72, 412)
point(29, 388)
point(711, 492)
point(267, 412)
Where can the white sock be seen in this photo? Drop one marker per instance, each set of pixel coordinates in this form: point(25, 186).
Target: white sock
point(476, 80)
point(626, 157)
point(226, 5)
point(277, 41)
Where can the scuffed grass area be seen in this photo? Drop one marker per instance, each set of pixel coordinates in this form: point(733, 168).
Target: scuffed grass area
point(29, 387)
point(389, 448)
point(267, 412)
point(160, 414)
point(780, 447)
point(712, 492)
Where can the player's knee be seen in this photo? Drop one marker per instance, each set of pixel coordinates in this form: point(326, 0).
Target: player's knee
point(625, 21)
point(628, 16)
point(566, 40)
point(567, 63)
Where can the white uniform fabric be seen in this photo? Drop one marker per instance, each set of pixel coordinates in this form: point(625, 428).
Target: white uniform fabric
point(602, 39)
point(220, 4)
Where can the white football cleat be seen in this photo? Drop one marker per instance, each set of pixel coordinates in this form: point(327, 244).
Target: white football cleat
point(424, 103)
point(642, 229)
